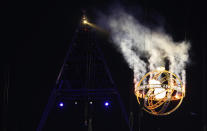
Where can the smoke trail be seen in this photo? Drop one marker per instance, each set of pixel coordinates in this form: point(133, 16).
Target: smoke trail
point(146, 49)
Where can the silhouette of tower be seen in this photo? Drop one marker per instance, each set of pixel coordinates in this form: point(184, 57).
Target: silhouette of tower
point(84, 76)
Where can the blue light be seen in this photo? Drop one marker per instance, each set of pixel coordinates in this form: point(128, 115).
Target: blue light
point(106, 103)
point(61, 104)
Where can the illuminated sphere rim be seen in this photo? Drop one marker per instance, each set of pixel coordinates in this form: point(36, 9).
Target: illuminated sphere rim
point(163, 71)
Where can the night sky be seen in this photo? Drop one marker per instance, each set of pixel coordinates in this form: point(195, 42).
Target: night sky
point(36, 36)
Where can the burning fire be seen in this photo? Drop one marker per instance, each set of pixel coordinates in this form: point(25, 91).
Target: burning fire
point(156, 89)
point(159, 92)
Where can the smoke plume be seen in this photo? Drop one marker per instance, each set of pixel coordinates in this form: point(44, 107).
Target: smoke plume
point(145, 49)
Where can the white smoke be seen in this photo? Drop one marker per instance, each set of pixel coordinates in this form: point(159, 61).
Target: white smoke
point(145, 49)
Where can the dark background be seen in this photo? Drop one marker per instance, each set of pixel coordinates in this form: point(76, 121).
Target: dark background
point(36, 36)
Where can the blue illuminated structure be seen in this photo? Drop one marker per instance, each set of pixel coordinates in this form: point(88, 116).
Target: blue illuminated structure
point(84, 74)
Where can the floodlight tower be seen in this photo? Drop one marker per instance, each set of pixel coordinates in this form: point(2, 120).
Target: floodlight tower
point(84, 75)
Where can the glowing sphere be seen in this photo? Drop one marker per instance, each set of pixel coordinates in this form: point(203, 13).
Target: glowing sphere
point(160, 92)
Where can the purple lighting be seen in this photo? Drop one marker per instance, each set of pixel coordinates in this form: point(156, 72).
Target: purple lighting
point(61, 104)
point(106, 103)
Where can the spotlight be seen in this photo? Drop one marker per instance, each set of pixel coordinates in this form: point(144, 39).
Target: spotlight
point(76, 102)
point(106, 103)
point(91, 102)
point(85, 21)
point(61, 104)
